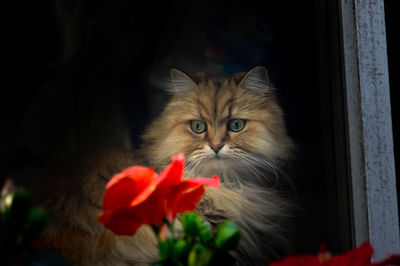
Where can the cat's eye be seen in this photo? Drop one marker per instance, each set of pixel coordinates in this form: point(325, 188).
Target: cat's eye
point(236, 125)
point(198, 126)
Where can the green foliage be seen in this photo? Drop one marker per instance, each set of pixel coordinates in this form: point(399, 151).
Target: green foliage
point(180, 249)
point(195, 228)
point(227, 236)
point(166, 247)
point(199, 246)
point(199, 255)
point(22, 223)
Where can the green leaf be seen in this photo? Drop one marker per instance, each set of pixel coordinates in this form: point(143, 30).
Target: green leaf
point(199, 256)
point(226, 236)
point(166, 248)
point(195, 227)
point(181, 247)
point(36, 221)
point(191, 223)
point(205, 232)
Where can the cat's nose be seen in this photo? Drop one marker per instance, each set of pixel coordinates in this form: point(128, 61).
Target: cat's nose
point(216, 147)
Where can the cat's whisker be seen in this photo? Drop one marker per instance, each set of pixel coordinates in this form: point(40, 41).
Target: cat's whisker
point(248, 165)
point(239, 154)
point(276, 169)
point(257, 164)
point(194, 160)
point(264, 163)
point(243, 160)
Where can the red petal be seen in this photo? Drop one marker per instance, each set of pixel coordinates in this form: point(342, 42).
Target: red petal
point(187, 194)
point(147, 191)
point(172, 174)
point(183, 197)
point(153, 210)
point(212, 182)
point(190, 183)
point(138, 196)
point(360, 256)
point(103, 217)
point(189, 200)
point(126, 186)
point(135, 172)
point(119, 194)
point(121, 222)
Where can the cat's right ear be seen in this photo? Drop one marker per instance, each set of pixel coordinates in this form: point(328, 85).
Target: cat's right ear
point(257, 80)
point(181, 83)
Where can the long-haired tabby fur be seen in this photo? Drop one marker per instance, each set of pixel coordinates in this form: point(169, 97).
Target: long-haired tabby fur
point(248, 161)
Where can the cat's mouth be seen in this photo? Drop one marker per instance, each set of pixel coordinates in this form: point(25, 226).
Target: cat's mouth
point(219, 157)
point(216, 160)
point(208, 160)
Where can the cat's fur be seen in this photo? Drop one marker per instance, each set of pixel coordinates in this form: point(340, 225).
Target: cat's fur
point(248, 163)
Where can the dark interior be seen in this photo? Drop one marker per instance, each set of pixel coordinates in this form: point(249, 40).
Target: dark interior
point(83, 76)
point(392, 44)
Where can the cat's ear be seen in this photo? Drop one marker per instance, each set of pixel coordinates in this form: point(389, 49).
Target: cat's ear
point(256, 80)
point(181, 82)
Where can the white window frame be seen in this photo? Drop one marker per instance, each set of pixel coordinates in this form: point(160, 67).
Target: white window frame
point(373, 195)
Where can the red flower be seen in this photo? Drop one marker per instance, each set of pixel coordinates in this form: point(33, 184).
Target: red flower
point(360, 256)
point(138, 196)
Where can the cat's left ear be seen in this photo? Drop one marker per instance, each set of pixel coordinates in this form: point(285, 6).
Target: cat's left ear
point(181, 82)
point(256, 80)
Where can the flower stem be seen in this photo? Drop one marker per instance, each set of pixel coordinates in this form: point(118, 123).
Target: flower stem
point(170, 227)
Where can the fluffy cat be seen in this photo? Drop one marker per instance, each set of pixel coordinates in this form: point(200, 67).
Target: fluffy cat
point(232, 127)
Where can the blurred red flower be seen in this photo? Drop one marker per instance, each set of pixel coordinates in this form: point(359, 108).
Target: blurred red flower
point(138, 196)
point(360, 256)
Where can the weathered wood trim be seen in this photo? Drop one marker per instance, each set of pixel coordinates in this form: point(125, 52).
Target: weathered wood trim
point(369, 126)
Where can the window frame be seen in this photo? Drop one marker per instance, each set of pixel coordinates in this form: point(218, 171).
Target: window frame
point(370, 154)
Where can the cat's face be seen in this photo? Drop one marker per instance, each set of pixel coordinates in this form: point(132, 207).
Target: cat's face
point(222, 126)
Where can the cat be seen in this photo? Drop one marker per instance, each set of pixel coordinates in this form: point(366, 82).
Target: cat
point(232, 127)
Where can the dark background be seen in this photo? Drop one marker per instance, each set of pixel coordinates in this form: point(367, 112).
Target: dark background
point(391, 15)
point(81, 76)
